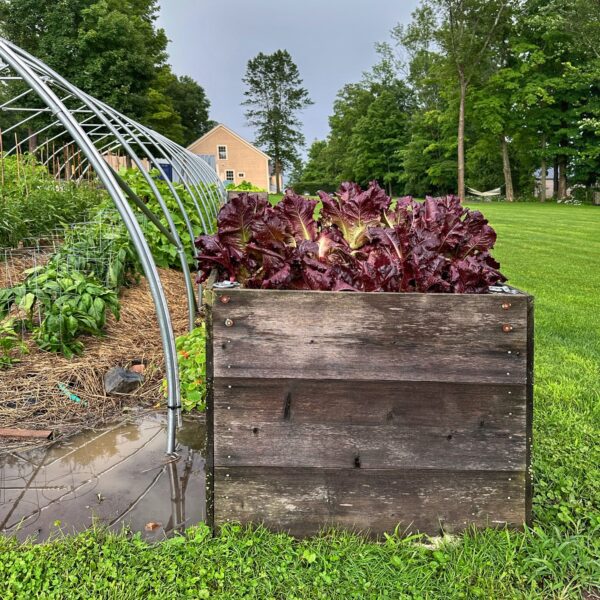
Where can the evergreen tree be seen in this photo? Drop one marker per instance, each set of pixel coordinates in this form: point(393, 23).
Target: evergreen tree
point(274, 96)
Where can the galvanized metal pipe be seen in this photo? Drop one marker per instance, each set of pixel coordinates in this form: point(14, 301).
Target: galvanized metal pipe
point(21, 63)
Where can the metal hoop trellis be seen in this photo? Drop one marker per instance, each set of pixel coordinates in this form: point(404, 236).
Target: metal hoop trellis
point(81, 130)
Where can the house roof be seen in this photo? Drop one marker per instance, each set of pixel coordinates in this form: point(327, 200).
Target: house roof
point(233, 133)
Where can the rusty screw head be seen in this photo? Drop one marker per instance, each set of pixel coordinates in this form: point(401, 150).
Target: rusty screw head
point(506, 305)
point(225, 299)
point(228, 322)
point(507, 328)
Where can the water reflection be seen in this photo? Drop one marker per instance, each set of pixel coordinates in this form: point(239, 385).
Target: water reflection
point(119, 476)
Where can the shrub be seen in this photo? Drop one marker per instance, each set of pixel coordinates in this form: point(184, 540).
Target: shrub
point(244, 186)
point(358, 243)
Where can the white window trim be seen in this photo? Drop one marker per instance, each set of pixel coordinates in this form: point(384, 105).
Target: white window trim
point(232, 175)
point(219, 146)
point(241, 175)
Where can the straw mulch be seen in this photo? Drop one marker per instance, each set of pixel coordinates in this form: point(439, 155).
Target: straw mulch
point(37, 393)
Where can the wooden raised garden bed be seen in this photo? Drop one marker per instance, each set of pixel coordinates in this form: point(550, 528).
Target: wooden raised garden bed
point(369, 410)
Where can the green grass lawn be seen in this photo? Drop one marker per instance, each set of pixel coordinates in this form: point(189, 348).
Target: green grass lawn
point(552, 252)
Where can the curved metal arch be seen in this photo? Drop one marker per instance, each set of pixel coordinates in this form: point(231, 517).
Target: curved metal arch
point(46, 84)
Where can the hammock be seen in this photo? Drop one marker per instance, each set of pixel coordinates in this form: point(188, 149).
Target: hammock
point(490, 193)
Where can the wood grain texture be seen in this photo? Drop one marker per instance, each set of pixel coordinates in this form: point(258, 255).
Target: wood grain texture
point(282, 445)
point(303, 501)
point(359, 336)
point(366, 410)
point(415, 404)
point(43, 434)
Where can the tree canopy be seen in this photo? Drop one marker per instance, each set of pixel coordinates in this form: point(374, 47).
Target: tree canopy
point(113, 50)
point(493, 93)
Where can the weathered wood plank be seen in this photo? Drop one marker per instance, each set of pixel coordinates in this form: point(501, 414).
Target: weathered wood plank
point(294, 445)
point(302, 501)
point(13, 432)
point(415, 404)
point(276, 334)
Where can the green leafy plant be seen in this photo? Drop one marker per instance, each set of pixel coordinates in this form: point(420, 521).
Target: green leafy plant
point(11, 344)
point(102, 249)
point(65, 302)
point(244, 186)
point(163, 251)
point(33, 203)
point(191, 351)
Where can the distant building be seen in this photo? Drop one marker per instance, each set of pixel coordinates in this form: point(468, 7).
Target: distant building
point(235, 159)
point(548, 184)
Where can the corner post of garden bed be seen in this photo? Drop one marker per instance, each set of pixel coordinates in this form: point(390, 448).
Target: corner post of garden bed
point(208, 298)
point(21, 62)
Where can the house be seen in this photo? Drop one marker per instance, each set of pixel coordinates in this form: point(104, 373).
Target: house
point(548, 184)
point(235, 159)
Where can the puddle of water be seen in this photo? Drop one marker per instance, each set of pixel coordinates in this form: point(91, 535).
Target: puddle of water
point(118, 476)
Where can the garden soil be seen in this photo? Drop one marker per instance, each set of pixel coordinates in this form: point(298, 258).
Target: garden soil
point(49, 391)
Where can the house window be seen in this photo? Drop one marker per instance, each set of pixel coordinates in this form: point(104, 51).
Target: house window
point(229, 176)
point(241, 175)
point(222, 150)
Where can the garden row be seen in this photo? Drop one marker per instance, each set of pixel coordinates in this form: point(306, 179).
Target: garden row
point(68, 297)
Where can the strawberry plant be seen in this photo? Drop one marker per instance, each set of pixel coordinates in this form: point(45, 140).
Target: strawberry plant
point(361, 241)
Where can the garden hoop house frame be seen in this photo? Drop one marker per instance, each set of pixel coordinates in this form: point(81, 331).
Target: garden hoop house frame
point(81, 130)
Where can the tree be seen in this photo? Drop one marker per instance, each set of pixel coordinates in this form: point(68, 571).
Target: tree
point(161, 114)
point(192, 105)
point(379, 136)
point(177, 107)
point(112, 50)
point(465, 32)
point(109, 48)
point(315, 169)
point(274, 96)
point(559, 41)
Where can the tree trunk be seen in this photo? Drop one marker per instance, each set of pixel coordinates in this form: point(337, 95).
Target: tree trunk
point(555, 178)
point(562, 177)
point(32, 140)
point(277, 176)
point(508, 184)
point(543, 171)
point(461, 135)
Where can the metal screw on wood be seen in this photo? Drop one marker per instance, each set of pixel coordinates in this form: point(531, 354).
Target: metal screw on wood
point(225, 299)
point(228, 322)
point(506, 305)
point(507, 328)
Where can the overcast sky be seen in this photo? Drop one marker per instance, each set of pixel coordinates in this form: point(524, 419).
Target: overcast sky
point(331, 41)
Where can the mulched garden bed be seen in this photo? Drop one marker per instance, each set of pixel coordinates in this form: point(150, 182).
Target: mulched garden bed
point(49, 391)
